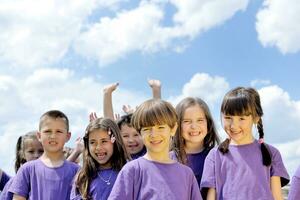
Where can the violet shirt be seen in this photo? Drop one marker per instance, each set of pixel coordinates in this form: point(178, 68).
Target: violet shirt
point(5, 194)
point(195, 162)
point(3, 180)
point(143, 179)
point(99, 189)
point(294, 193)
point(36, 181)
point(240, 173)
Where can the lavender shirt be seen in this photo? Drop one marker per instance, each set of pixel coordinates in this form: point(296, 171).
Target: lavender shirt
point(36, 181)
point(99, 189)
point(3, 180)
point(294, 193)
point(5, 194)
point(240, 173)
point(195, 162)
point(144, 179)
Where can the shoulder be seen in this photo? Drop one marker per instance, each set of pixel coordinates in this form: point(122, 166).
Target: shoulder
point(273, 150)
point(30, 165)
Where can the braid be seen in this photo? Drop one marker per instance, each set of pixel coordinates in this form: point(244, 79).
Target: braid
point(223, 147)
point(267, 160)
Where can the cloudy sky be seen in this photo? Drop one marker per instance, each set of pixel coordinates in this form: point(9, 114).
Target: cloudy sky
point(60, 54)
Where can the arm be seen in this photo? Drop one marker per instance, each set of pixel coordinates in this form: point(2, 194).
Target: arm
point(18, 197)
point(211, 194)
point(79, 146)
point(107, 100)
point(276, 188)
point(156, 88)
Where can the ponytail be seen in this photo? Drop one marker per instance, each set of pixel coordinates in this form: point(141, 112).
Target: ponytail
point(223, 147)
point(19, 154)
point(266, 156)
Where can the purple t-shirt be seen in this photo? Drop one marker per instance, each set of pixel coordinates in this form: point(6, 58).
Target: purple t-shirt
point(144, 179)
point(294, 193)
point(195, 162)
point(36, 181)
point(3, 180)
point(240, 173)
point(139, 154)
point(5, 194)
point(100, 187)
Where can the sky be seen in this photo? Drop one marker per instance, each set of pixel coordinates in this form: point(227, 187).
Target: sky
point(61, 54)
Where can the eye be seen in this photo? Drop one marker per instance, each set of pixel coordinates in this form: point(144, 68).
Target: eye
point(161, 127)
point(145, 129)
point(125, 136)
point(136, 135)
point(185, 121)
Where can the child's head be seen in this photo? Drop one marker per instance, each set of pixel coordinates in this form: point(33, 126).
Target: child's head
point(28, 148)
point(131, 138)
point(54, 131)
point(240, 110)
point(156, 120)
point(195, 126)
point(103, 149)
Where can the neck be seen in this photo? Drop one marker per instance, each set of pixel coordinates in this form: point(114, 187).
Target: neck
point(53, 159)
point(159, 157)
point(243, 142)
point(190, 147)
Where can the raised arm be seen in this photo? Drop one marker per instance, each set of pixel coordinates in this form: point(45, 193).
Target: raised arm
point(107, 100)
point(156, 88)
point(79, 147)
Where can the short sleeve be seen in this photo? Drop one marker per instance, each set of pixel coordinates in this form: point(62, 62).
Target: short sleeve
point(278, 168)
point(21, 182)
point(3, 180)
point(209, 177)
point(195, 190)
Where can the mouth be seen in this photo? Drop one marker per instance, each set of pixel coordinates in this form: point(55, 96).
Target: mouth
point(53, 143)
point(194, 133)
point(156, 142)
point(101, 155)
point(133, 145)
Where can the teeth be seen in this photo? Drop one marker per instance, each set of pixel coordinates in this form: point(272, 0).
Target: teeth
point(194, 133)
point(156, 142)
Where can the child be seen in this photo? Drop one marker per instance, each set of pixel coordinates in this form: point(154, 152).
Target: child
point(104, 156)
point(131, 138)
point(243, 167)
point(294, 193)
point(50, 176)
point(155, 175)
point(28, 148)
point(196, 134)
point(4, 178)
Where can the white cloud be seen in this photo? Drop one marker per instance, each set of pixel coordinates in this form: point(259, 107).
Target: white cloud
point(259, 82)
point(278, 25)
point(281, 115)
point(141, 29)
point(209, 88)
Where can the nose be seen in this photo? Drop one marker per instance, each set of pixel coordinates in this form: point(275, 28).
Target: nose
point(193, 125)
point(130, 139)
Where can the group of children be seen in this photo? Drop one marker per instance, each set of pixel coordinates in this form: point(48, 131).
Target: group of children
point(156, 152)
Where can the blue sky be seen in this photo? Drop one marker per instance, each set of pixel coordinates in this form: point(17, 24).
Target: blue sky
point(60, 55)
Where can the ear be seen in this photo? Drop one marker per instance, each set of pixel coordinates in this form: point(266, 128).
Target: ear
point(255, 120)
point(173, 130)
point(68, 137)
point(38, 135)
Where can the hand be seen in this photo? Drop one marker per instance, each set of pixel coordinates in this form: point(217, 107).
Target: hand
point(117, 117)
point(93, 116)
point(127, 109)
point(110, 88)
point(154, 84)
point(79, 146)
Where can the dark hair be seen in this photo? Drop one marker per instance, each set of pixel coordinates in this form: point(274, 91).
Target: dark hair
point(125, 120)
point(54, 114)
point(210, 140)
point(90, 167)
point(20, 146)
point(245, 101)
point(154, 112)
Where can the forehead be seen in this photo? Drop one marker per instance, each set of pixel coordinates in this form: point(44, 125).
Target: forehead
point(127, 129)
point(98, 134)
point(194, 111)
point(54, 123)
point(32, 143)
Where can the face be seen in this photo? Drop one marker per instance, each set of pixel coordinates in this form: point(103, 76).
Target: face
point(238, 128)
point(33, 149)
point(194, 125)
point(53, 135)
point(132, 139)
point(157, 139)
point(101, 148)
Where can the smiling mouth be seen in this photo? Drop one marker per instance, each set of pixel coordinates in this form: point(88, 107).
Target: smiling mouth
point(101, 156)
point(194, 133)
point(156, 142)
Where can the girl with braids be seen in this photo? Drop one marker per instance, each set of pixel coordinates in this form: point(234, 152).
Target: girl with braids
point(243, 167)
point(104, 156)
point(196, 134)
point(28, 148)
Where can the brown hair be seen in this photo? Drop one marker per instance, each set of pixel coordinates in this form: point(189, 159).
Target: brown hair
point(90, 167)
point(210, 140)
point(154, 112)
point(54, 114)
point(245, 101)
